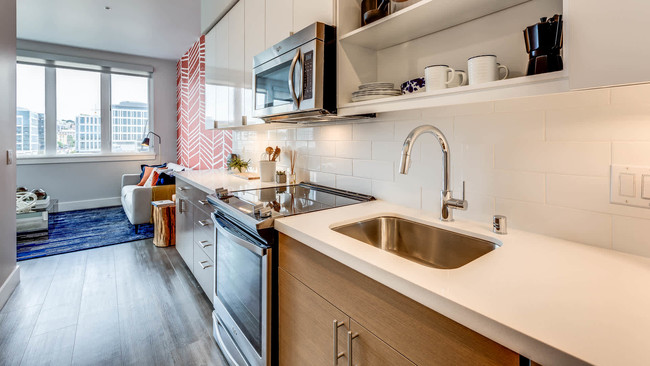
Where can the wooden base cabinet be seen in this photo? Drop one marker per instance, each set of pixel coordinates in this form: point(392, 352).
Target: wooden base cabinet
point(387, 328)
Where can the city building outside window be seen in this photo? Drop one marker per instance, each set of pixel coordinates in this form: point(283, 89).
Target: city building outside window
point(94, 110)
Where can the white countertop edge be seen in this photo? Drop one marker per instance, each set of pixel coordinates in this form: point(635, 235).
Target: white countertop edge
point(194, 183)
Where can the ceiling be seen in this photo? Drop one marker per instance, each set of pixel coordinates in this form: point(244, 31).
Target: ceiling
point(155, 28)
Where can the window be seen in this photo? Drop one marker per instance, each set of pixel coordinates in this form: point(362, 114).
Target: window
point(30, 110)
point(78, 111)
point(129, 113)
point(68, 106)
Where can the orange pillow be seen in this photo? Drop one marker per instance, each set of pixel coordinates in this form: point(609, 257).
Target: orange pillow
point(155, 173)
point(145, 176)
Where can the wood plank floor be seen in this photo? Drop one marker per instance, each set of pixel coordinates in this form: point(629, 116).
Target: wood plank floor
point(126, 304)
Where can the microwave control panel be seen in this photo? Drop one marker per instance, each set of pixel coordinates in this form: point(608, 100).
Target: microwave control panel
point(308, 74)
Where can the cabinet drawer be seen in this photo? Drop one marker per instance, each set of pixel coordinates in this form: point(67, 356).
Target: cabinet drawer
point(202, 219)
point(185, 190)
point(422, 335)
point(204, 271)
point(204, 238)
point(200, 200)
point(367, 349)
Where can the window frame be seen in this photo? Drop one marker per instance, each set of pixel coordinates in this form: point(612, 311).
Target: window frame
point(51, 62)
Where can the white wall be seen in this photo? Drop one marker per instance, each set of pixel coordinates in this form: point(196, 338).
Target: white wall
point(7, 142)
point(543, 161)
point(83, 185)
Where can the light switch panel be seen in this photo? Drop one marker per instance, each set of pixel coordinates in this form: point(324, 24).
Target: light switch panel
point(630, 185)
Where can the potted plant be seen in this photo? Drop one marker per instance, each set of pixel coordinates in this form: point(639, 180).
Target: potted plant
point(235, 162)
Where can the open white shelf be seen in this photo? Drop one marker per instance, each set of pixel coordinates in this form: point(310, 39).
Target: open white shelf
point(423, 18)
point(525, 86)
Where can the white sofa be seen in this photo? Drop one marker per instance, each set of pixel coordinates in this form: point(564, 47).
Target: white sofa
point(136, 200)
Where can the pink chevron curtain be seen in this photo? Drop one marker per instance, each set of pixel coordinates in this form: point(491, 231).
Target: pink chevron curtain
point(196, 147)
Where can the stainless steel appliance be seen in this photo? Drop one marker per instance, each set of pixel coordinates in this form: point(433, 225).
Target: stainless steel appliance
point(245, 319)
point(295, 80)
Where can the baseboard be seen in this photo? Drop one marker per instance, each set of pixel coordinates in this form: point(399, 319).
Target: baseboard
point(8, 287)
point(86, 204)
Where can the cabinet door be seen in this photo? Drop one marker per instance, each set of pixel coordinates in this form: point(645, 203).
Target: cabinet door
point(236, 31)
point(254, 14)
point(279, 20)
point(307, 325)
point(306, 12)
point(185, 231)
point(607, 42)
point(219, 85)
point(367, 349)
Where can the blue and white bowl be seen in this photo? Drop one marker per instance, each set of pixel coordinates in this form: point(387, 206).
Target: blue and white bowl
point(413, 86)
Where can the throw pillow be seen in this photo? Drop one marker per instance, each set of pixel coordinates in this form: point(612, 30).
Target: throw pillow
point(156, 174)
point(143, 166)
point(165, 179)
point(146, 174)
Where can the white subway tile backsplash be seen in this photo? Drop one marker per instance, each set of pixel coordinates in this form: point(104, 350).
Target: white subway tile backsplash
point(499, 127)
point(564, 223)
point(586, 98)
point(631, 153)
point(373, 169)
point(354, 184)
point(336, 165)
point(403, 194)
point(321, 148)
point(378, 131)
point(631, 235)
point(544, 162)
point(354, 149)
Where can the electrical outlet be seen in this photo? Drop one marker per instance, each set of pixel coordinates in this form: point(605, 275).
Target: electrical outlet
point(10, 157)
point(630, 186)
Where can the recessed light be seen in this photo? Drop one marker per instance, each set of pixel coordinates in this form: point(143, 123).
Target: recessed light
point(107, 8)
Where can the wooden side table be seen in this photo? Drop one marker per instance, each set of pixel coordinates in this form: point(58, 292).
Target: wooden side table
point(164, 222)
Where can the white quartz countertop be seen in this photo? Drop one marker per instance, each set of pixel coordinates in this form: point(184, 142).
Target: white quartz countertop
point(209, 180)
point(553, 301)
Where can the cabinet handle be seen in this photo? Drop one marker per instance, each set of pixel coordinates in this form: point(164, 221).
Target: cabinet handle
point(350, 338)
point(204, 244)
point(202, 263)
point(180, 206)
point(204, 223)
point(335, 334)
point(183, 189)
point(203, 202)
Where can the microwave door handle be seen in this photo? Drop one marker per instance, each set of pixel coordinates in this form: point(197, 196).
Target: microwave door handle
point(239, 241)
point(292, 71)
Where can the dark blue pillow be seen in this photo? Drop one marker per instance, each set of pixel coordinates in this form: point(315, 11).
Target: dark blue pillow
point(165, 179)
point(151, 166)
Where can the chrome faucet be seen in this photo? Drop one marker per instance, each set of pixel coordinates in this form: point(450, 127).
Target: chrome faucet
point(447, 201)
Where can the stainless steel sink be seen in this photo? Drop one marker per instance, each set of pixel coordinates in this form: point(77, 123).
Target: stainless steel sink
point(427, 245)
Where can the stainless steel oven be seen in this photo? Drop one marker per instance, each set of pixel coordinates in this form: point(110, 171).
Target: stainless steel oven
point(296, 78)
point(243, 293)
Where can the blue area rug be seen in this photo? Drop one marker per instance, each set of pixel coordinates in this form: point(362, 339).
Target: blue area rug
point(83, 229)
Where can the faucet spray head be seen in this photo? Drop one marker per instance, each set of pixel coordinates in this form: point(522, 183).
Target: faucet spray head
point(405, 163)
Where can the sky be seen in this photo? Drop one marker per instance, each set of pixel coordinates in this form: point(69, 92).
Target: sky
point(78, 92)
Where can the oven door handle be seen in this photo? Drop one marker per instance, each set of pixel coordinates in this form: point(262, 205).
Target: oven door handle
point(241, 242)
point(292, 71)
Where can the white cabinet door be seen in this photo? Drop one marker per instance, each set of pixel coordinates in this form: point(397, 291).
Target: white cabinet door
point(221, 85)
point(306, 12)
point(211, 10)
point(279, 20)
point(254, 43)
point(211, 77)
point(236, 31)
point(607, 42)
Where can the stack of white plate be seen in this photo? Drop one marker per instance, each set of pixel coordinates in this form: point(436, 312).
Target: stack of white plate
point(376, 90)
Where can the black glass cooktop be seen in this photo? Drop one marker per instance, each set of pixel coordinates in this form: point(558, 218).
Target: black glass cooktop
point(294, 199)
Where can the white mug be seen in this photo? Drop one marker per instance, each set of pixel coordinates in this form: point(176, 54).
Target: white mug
point(458, 80)
point(438, 76)
point(484, 68)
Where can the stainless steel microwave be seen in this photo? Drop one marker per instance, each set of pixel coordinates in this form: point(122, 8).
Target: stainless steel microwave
point(295, 80)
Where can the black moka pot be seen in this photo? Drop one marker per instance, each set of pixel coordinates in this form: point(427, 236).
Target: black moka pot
point(543, 44)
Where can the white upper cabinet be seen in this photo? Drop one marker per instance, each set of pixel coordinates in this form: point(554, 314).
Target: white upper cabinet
point(279, 20)
point(306, 12)
point(236, 30)
point(254, 43)
point(212, 10)
point(608, 42)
